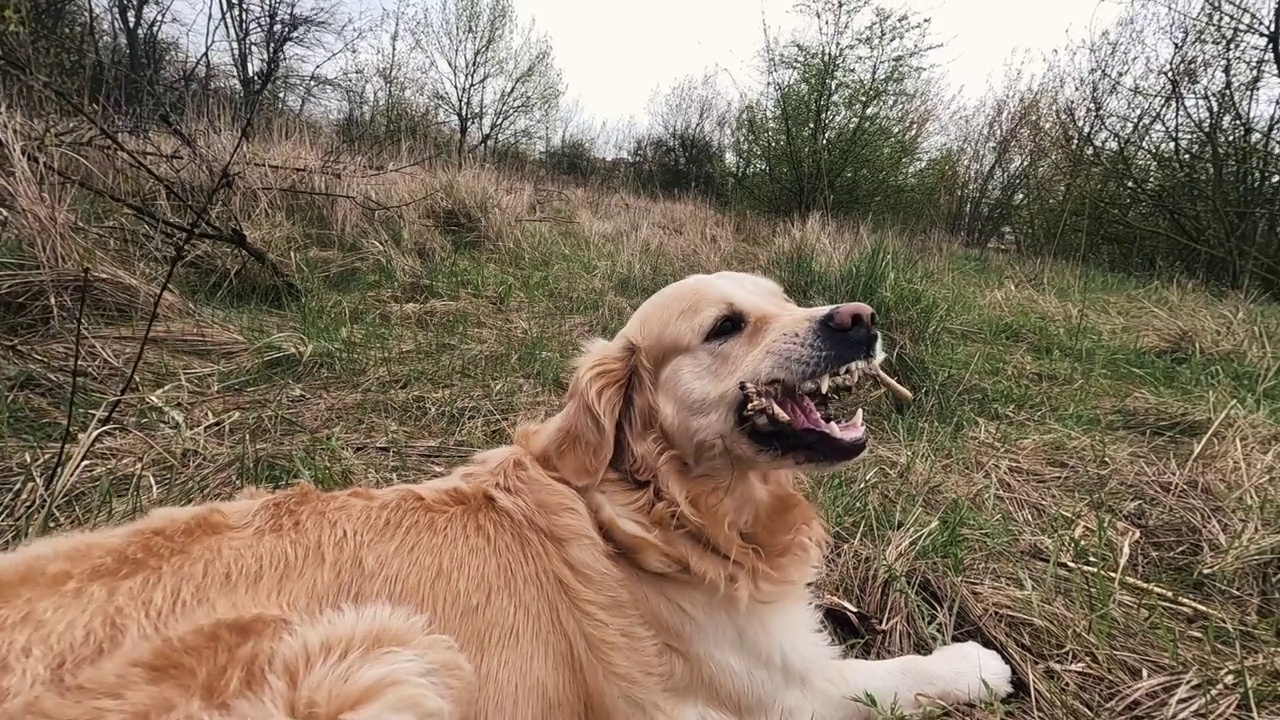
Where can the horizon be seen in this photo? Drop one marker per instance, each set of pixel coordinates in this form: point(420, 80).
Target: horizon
point(611, 71)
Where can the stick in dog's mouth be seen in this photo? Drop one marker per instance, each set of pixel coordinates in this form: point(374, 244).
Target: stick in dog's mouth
point(774, 405)
point(849, 376)
point(894, 388)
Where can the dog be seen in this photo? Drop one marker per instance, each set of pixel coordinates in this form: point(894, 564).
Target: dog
point(646, 552)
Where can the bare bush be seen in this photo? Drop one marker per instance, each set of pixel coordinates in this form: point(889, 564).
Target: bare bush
point(684, 148)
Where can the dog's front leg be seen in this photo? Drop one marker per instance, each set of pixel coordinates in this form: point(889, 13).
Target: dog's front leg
point(958, 673)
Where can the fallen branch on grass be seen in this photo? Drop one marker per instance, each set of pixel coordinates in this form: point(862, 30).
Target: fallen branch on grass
point(433, 450)
point(548, 219)
point(1150, 588)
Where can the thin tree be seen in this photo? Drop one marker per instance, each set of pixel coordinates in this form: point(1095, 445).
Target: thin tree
point(494, 77)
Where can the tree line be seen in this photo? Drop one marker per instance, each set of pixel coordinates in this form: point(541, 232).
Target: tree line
point(1151, 145)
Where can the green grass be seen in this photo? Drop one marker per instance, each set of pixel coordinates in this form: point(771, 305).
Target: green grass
point(1088, 479)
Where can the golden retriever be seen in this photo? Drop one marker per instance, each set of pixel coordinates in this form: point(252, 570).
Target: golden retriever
point(644, 553)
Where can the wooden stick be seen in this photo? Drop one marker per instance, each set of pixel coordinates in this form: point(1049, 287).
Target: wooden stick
point(1164, 593)
point(892, 385)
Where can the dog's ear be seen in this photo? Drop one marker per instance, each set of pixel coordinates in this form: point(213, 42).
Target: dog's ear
point(580, 441)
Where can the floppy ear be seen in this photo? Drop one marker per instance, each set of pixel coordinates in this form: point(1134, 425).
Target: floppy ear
point(579, 442)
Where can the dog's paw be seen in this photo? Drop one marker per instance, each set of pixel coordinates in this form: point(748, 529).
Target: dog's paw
point(969, 672)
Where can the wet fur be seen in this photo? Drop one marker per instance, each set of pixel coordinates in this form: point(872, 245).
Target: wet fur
point(633, 556)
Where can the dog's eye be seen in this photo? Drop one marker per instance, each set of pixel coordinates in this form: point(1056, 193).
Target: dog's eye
point(726, 326)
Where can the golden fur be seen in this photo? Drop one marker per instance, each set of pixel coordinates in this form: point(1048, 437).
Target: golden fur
point(633, 556)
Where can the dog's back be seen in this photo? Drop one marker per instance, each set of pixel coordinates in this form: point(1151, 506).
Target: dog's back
point(321, 604)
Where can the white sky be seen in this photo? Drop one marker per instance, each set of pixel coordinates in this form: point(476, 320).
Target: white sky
point(615, 53)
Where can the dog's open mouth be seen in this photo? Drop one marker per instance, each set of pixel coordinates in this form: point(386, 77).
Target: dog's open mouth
point(791, 418)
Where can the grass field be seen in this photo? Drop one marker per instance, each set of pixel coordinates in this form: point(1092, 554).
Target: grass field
point(1088, 480)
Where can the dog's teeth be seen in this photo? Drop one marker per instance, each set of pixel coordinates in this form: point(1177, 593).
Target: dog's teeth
point(808, 386)
point(842, 381)
point(857, 418)
point(824, 383)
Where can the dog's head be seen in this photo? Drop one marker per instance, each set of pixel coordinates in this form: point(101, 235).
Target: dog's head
point(725, 372)
point(685, 432)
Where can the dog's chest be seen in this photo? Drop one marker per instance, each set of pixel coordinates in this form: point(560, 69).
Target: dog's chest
point(764, 661)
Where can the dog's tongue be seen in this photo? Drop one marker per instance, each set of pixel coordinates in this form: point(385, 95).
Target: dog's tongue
point(805, 416)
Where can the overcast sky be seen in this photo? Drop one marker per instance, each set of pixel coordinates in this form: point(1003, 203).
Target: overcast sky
point(614, 53)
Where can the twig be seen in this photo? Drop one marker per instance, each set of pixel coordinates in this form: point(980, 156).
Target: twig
point(179, 252)
point(364, 203)
point(343, 170)
point(75, 372)
point(426, 449)
point(1184, 603)
point(549, 219)
point(233, 236)
point(892, 385)
point(1199, 448)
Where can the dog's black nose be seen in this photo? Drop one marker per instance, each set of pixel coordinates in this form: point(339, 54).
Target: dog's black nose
point(847, 317)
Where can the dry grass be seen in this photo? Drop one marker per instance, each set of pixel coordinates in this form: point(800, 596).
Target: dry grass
point(1089, 479)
